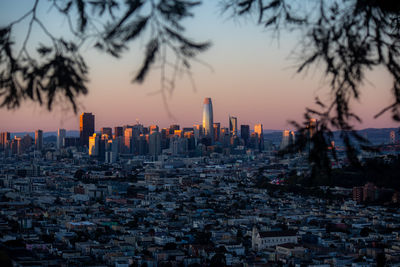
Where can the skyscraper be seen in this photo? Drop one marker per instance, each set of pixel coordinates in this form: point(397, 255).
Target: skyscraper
point(312, 127)
point(94, 145)
point(208, 120)
point(288, 138)
point(155, 143)
point(61, 134)
point(107, 131)
point(245, 133)
point(38, 139)
point(198, 131)
point(258, 129)
point(86, 128)
point(118, 131)
point(153, 128)
point(128, 140)
point(217, 130)
point(233, 128)
point(4, 139)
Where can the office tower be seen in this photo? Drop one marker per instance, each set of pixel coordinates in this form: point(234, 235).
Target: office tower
point(61, 134)
point(258, 129)
point(224, 137)
point(172, 129)
point(155, 143)
point(164, 138)
point(71, 141)
point(15, 145)
point(208, 120)
point(137, 130)
point(392, 137)
point(107, 131)
point(312, 127)
point(4, 140)
point(179, 146)
point(142, 145)
point(233, 129)
point(217, 130)
point(187, 129)
point(191, 141)
point(86, 128)
point(94, 145)
point(245, 133)
point(128, 140)
point(178, 133)
point(20, 145)
point(153, 128)
point(287, 139)
point(118, 131)
point(38, 139)
point(111, 153)
point(198, 131)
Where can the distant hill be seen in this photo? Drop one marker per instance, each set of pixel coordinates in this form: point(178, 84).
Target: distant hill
point(376, 136)
point(72, 133)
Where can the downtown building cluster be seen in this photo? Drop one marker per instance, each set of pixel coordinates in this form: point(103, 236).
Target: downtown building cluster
point(138, 140)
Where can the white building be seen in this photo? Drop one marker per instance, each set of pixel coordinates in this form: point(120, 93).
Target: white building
point(262, 240)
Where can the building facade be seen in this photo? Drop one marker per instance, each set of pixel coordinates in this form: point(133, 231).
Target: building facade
point(38, 139)
point(208, 120)
point(86, 128)
point(61, 134)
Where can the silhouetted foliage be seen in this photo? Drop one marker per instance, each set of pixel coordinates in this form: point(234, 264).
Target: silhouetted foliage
point(347, 38)
point(379, 171)
point(59, 71)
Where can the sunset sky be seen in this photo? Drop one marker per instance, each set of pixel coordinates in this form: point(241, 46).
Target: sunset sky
point(252, 77)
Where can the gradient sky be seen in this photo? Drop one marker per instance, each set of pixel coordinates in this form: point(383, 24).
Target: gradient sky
point(252, 77)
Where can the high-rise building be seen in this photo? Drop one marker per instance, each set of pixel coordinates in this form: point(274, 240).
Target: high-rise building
point(107, 131)
point(233, 128)
point(4, 139)
point(245, 133)
point(217, 131)
point(224, 137)
point(288, 138)
point(128, 140)
point(258, 129)
point(208, 120)
point(153, 128)
point(111, 153)
point(392, 137)
point(38, 139)
point(61, 134)
point(198, 131)
point(312, 127)
point(173, 128)
point(71, 141)
point(118, 131)
point(155, 143)
point(20, 144)
point(86, 128)
point(94, 145)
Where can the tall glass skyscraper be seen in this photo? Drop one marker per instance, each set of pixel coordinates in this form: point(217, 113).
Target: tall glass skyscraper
point(86, 128)
point(208, 121)
point(233, 128)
